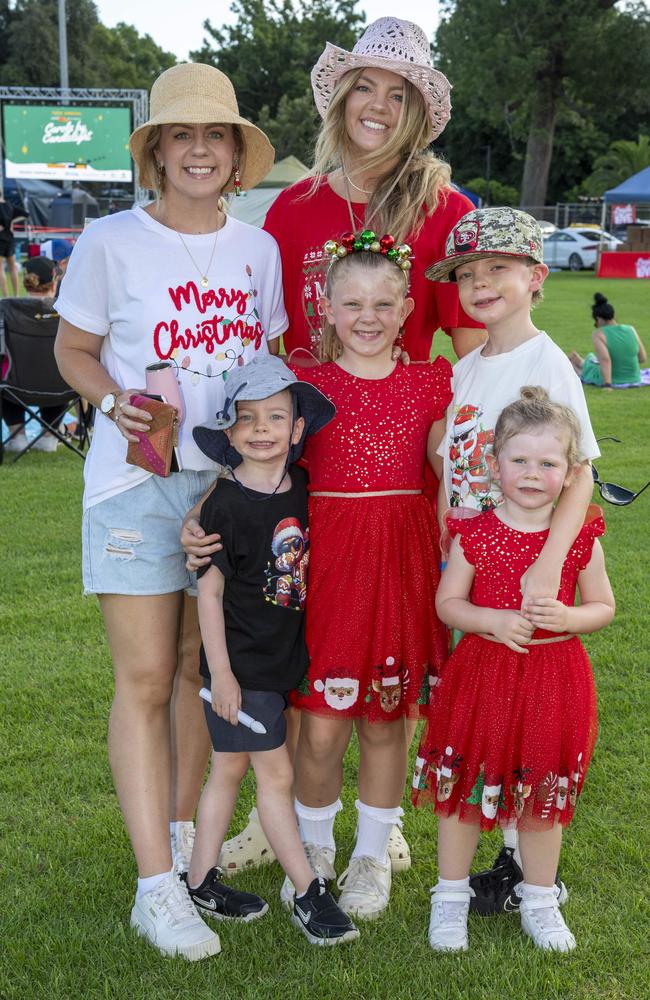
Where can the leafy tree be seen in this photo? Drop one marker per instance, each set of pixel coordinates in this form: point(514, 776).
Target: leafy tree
point(622, 159)
point(293, 129)
point(529, 78)
point(494, 192)
point(270, 51)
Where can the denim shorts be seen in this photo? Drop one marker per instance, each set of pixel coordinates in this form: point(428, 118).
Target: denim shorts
point(131, 541)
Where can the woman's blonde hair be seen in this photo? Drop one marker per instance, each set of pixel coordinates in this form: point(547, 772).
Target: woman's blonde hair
point(416, 183)
point(151, 144)
point(535, 410)
point(330, 347)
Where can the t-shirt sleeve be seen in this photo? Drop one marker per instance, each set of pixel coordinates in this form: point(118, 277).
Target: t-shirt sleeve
point(593, 527)
point(279, 321)
point(84, 295)
point(215, 517)
point(568, 390)
point(450, 312)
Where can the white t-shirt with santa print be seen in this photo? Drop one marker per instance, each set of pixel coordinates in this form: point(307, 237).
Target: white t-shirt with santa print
point(482, 387)
point(131, 281)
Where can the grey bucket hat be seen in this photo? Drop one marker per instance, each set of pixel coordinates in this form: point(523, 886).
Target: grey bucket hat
point(261, 378)
point(489, 232)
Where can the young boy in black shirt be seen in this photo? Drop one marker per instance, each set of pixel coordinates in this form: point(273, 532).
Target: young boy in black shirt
point(251, 601)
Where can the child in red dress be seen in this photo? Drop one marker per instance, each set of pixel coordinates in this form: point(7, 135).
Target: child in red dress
point(512, 729)
point(373, 636)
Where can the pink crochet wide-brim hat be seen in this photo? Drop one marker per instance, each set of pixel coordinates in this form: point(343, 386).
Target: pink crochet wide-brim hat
point(388, 43)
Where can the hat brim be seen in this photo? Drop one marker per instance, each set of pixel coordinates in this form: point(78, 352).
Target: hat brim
point(443, 269)
point(335, 62)
point(314, 407)
point(257, 157)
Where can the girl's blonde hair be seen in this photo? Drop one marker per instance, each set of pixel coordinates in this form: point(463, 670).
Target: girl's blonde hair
point(416, 183)
point(535, 410)
point(330, 347)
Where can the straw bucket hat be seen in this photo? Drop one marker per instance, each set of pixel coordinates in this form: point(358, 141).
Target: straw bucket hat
point(388, 43)
point(196, 94)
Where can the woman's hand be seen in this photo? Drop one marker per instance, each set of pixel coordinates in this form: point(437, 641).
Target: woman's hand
point(198, 546)
point(226, 695)
point(129, 418)
point(549, 614)
point(510, 628)
point(541, 579)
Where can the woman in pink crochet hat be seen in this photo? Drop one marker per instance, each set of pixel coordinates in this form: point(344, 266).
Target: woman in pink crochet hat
point(382, 105)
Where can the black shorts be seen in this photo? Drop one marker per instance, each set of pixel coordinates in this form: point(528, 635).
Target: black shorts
point(265, 706)
point(7, 245)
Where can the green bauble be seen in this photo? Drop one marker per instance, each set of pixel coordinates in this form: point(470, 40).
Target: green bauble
point(392, 254)
point(358, 245)
point(368, 236)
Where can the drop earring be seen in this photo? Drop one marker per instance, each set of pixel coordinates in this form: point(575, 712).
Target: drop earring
point(237, 180)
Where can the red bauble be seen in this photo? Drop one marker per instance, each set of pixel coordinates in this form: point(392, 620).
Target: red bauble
point(387, 242)
point(347, 240)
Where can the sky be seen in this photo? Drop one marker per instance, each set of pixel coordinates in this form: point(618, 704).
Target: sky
point(181, 33)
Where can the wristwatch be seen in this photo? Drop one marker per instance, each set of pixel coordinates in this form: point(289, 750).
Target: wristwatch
point(107, 404)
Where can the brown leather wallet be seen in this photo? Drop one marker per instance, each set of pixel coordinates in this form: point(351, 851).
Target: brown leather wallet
point(154, 451)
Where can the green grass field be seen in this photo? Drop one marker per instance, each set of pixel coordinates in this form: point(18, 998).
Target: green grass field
point(68, 872)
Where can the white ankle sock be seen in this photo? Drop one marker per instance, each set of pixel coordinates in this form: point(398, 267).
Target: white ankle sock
point(373, 831)
point(511, 839)
point(453, 884)
point(149, 883)
point(317, 824)
point(527, 889)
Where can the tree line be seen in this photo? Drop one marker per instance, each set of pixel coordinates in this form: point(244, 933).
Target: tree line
point(553, 96)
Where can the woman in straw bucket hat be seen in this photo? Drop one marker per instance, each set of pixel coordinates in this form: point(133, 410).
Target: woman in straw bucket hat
point(180, 286)
point(382, 105)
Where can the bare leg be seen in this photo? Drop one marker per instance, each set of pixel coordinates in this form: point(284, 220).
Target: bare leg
point(293, 716)
point(13, 273)
point(3, 280)
point(319, 759)
point(274, 776)
point(540, 853)
point(215, 811)
point(382, 762)
point(189, 733)
point(142, 635)
point(577, 362)
point(457, 844)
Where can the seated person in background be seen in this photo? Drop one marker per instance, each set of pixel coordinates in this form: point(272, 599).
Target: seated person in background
point(618, 347)
point(8, 215)
point(39, 276)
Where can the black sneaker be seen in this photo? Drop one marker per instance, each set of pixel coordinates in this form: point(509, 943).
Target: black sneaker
point(320, 918)
point(494, 888)
point(213, 898)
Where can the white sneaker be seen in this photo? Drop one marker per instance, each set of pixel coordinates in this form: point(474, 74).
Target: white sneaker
point(166, 917)
point(399, 851)
point(17, 443)
point(321, 862)
point(182, 845)
point(366, 887)
point(47, 443)
point(542, 921)
point(448, 922)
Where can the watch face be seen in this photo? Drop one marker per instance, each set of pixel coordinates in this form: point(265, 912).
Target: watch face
point(107, 403)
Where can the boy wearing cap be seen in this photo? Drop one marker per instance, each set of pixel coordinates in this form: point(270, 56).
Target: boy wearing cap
point(495, 255)
point(251, 603)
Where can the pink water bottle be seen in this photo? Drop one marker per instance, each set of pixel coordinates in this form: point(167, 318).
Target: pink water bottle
point(161, 381)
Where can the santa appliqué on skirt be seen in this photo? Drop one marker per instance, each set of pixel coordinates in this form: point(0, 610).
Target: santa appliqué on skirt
point(374, 639)
point(510, 735)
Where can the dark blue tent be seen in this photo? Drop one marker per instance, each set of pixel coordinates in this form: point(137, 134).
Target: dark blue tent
point(634, 190)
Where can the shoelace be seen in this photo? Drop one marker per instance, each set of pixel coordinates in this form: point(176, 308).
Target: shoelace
point(452, 913)
point(365, 872)
point(549, 918)
point(174, 900)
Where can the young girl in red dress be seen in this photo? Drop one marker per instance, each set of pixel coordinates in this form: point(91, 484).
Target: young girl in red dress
point(373, 635)
point(513, 725)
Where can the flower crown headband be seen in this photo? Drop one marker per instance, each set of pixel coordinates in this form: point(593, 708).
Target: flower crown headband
point(401, 255)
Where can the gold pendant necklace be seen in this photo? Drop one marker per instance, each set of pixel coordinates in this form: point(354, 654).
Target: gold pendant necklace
point(203, 275)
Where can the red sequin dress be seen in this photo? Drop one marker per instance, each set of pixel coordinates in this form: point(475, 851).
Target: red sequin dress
point(372, 631)
point(510, 735)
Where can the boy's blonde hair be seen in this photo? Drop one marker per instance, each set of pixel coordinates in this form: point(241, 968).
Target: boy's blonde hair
point(422, 179)
point(330, 347)
point(533, 411)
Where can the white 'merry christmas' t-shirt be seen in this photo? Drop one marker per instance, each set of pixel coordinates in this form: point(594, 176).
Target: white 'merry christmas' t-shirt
point(482, 387)
point(131, 281)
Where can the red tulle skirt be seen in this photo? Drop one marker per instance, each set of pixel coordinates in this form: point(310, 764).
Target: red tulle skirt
point(375, 642)
point(509, 735)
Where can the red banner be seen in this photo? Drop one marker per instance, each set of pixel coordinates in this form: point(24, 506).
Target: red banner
point(624, 265)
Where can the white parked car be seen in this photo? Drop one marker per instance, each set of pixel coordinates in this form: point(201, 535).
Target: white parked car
point(576, 248)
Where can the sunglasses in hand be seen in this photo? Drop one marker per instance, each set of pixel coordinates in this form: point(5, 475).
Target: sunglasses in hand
point(620, 496)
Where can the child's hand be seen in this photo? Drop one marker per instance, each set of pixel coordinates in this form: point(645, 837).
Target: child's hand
point(547, 613)
point(399, 354)
point(510, 628)
point(226, 696)
point(198, 546)
point(541, 579)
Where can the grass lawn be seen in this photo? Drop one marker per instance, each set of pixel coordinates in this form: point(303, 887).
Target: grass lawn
point(68, 871)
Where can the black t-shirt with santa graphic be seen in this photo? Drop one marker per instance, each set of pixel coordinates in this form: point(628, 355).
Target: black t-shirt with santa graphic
point(264, 562)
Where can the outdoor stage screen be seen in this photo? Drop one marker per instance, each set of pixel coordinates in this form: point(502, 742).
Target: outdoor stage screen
point(67, 143)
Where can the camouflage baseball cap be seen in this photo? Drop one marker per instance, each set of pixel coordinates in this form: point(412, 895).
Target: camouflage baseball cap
point(488, 232)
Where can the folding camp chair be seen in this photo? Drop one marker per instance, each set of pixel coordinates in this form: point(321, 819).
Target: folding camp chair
point(30, 375)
